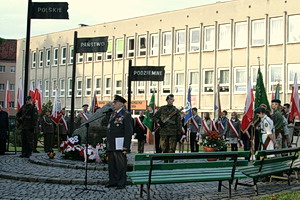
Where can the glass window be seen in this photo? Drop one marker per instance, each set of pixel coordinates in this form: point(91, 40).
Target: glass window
point(54, 87)
point(180, 41)
point(179, 82)
point(107, 85)
point(275, 77)
point(46, 88)
point(63, 55)
point(140, 87)
point(70, 87)
point(48, 57)
point(241, 35)
point(98, 56)
point(89, 57)
point(41, 57)
point(118, 84)
point(276, 30)
point(240, 78)
point(130, 47)
point(119, 48)
point(208, 81)
point(11, 104)
point(98, 85)
point(209, 38)
point(154, 45)
point(167, 43)
point(12, 69)
point(258, 32)
point(194, 81)
point(33, 59)
point(12, 87)
point(2, 87)
point(79, 87)
point(71, 56)
point(142, 46)
point(167, 83)
point(224, 80)
point(294, 28)
point(292, 70)
point(55, 56)
point(109, 50)
point(62, 87)
point(152, 87)
point(224, 36)
point(2, 68)
point(194, 39)
point(80, 58)
point(88, 86)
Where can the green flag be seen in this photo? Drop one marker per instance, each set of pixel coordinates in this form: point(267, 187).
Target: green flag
point(261, 98)
point(148, 121)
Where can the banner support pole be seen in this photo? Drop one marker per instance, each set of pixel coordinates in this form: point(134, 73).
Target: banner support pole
point(26, 69)
point(129, 86)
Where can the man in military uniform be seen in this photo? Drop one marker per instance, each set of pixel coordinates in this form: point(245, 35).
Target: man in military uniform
point(268, 140)
point(64, 125)
point(27, 119)
point(168, 117)
point(278, 121)
point(83, 116)
point(48, 131)
point(120, 131)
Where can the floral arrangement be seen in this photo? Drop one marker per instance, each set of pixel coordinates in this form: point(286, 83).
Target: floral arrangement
point(73, 150)
point(214, 140)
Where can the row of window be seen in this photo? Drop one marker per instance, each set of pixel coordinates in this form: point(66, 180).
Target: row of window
point(239, 31)
point(11, 104)
point(11, 87)
point(275, 77)
point(12, 69)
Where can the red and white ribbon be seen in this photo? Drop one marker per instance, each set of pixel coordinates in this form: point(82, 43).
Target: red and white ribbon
point(138, 120)
point(84, 116)
point(206, 128)
point(235, 132)
point(195, 124)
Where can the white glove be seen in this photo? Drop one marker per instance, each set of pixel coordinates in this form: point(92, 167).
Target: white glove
point(134, 134)
point(153, 133)
point(183, 137)
point(198, 134)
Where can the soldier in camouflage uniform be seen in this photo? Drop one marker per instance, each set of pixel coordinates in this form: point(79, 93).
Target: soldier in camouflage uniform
point(278, 121)
point(168, 117)
point(48, 131)
point(27, 119)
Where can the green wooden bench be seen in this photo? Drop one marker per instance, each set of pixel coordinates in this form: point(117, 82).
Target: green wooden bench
point(283, 161)
point(150, 168)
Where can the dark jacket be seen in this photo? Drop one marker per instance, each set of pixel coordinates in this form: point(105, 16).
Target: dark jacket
point(120, 125)
point(4, 125)
point(47, 125)
point(140, 131)
point(27, 116)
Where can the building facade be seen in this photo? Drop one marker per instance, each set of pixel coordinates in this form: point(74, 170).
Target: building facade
point(8, 50)
point(198, 46)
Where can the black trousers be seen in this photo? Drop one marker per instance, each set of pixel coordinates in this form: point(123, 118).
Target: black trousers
point(48, 142)
point(246, 142)
point(157, 142)
point(3, 138)
point(117, 167)
point(194, 144)
point(234, 147)
point(27, 141)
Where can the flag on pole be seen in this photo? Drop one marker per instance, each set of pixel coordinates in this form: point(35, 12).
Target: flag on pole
point(188, 107)
point(31, 92)
point(217, 106)
point(148, 121)
point(94, 104)
point(7, 97)
point(249, 112)
point(277, 92)
point(295, 107)
point(20, 95)
point(56, 110)
point(37, 97)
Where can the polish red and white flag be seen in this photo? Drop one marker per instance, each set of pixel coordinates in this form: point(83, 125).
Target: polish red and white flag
point(20, 95)
point(37, 97)
point(249, 112)
point(7, 97)
point(295, 107)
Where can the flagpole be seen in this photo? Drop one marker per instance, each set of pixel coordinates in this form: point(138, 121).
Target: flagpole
point(27, 48)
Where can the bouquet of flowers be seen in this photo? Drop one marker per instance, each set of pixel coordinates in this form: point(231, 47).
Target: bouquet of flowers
point(214, 139)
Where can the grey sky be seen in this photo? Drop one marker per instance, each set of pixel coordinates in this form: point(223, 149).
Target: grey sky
point(14, 13)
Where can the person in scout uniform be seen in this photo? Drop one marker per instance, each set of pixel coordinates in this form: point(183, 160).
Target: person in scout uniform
point(169, 119)
point(278, 121)
point(140, 131)
point(120, 131)
point(233, 132)
point(82, 116)
point(195, 126)
point(268, 140)
point(48, 131)
point(27, 118)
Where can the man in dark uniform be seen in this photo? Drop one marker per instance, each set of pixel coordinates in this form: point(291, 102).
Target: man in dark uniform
point(4, 127)
point(27, 118)
point(169, 119)
point(64, 125)
point(140, 132)
point(120, 130)
point(48, 131)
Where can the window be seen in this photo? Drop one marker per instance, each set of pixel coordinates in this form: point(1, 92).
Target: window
point(98, 56)
point(12, 69)
point(32, 85)
point(292, 70)
point(167, 43)
point(258, 32)
point(154, 45)
point(224, 36)
point(119, 48)
point(130, 47)
point(142, 46)
point(88, 86)
point(276, 30)
point(167, 84)
point(194, 40)
point(140, 87)
point(80, 58)
point(11, 104)
point(241, 35)
point(41, 57)
point(48, 57)
point(55, 56)
point(194, 81)
point(12, 87)
point(89, 57)
point(180, 41)
point(153, 87)
point(294, 28)
point(46, 89)
point(224, 80)
point(2, 68)
point(98, 85)
point(109, 50)
point(107, 85)
point(63, 56)
point(208, 81)
point(240, 83)
point(33, 59)
point(118, 84)
point(62, 87)
point(209, 38)
point(79, 87)
point(54, 87)
point(2, 103)
point(275, 77)
point(179, 82)
point(71, 56)
point(40, 85)
point(1, 87)
point(70, 87)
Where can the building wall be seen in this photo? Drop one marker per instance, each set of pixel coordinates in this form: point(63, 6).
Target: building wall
point(266, 29)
